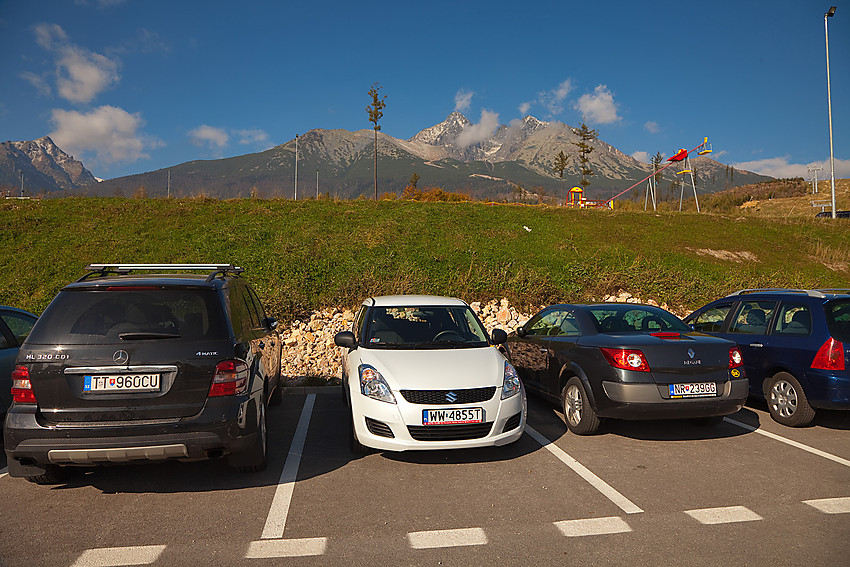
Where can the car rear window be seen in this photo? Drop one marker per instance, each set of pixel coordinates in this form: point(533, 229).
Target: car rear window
point(628, 318)
point(838, 319)
point(79, 317)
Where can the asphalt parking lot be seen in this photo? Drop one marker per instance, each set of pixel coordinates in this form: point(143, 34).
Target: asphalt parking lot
point(747, 492)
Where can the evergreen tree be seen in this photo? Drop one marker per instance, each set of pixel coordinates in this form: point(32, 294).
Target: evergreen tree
point(586, 136)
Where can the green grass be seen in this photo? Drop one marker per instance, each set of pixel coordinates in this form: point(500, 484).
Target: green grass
point(310, 254)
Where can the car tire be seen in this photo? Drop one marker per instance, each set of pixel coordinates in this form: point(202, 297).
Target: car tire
point(354, 445)
point(787, 401)
point(578, 415)
point(53, 474)
point(255, 459)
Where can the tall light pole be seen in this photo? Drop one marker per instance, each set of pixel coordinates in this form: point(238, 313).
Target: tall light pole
point(296, 167)
point(829, 14)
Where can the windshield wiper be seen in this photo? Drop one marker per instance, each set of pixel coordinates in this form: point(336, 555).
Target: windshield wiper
point(146, 336)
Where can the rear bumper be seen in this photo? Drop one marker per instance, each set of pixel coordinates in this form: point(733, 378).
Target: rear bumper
point(644, 401)
point(224, 426)
point(828, 390)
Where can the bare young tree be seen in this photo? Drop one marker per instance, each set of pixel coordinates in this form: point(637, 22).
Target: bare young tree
point(375, 114)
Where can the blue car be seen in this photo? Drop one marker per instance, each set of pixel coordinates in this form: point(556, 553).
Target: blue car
point(795, 344)
point(15, 325)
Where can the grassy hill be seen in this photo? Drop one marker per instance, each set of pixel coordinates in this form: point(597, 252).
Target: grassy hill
point(309, 254)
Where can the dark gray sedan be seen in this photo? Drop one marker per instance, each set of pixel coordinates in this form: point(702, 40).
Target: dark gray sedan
point(626, 361)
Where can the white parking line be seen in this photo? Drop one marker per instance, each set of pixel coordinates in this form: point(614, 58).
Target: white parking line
point(831, 505)
point(812, 450)
point(4, 471)
point(624, 503)
point(119, 556)
point(276, 520)
point(270, 548)
point(593, 526)
point(447, 538)
point(727, 515)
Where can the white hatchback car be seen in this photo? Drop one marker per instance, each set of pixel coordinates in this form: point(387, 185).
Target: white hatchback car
point(420, 372)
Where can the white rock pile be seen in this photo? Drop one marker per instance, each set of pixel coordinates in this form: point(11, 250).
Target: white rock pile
point(310, 355)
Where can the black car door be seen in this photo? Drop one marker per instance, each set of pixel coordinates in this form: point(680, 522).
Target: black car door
point(530, 352)
point(562, 350)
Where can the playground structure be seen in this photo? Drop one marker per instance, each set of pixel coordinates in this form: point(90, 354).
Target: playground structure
point(577, 200)
point(679, 157)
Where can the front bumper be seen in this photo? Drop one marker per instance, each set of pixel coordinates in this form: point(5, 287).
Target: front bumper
point(224, 426)
point(645, 401)
point(399, 427)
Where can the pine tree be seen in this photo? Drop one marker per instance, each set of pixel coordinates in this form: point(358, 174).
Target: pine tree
point(586, 136)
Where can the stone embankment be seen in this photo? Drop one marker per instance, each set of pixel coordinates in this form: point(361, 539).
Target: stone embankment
point(310, 355)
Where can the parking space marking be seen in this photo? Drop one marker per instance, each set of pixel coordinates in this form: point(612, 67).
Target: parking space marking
point(831, 505)
point(726, 515)
point(447, 538)
point(276, 520)
point(271, 548)
point(607, 490)
point(593, 526)
point(4, 471)
point(787, 441)
point(119, 556)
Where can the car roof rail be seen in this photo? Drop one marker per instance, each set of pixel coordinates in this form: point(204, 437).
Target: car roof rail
point(102, 270)
point(809, 292)
point(836, 291)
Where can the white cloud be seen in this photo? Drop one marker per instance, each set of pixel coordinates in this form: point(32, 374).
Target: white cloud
point(80, 74)
point(652, 127)
point(475, 133)
point(252, 136)
point(111, 134)
point(779, 167)
point(554, 100)
point(642, 156)
point(524, 108)
point(598, 107)
point(462, 100)
point(38, 81)
point(214, 138)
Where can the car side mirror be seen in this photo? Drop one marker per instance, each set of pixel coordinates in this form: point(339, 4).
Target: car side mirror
point(521, 332)
point(271, 323)
point(499, 336)
point(345, 339)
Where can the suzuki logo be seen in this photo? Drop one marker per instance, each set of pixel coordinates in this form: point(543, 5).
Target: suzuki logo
point(120, 357)
point(451, 397)
point(691, 353)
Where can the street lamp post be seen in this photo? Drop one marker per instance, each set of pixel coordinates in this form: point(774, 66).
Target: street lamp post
point(829, 14)
point(296, 167)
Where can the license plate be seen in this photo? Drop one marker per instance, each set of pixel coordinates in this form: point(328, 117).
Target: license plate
point(452, 416)
point(123, 383)
point(698, 390)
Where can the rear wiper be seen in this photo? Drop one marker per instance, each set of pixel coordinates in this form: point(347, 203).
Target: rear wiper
point(146, 336)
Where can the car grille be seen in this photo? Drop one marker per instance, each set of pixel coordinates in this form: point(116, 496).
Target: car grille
point(379, 428)
point(449, 432)
point(512, 422)
point(443, 397)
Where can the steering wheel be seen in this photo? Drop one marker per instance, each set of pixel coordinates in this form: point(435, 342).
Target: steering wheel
point(441, 336)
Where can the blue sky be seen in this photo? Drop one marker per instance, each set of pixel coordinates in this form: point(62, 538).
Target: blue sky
point(129, 86)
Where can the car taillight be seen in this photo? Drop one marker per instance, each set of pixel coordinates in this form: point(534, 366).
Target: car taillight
point(231, 378)
point(627, 359)
point(830, 356)
point(21, 386)
point(735, 358)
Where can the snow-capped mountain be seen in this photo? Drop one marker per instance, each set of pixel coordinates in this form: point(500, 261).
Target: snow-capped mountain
point(45, 167)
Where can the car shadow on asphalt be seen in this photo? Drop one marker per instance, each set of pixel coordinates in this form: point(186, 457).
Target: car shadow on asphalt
point(828, 419)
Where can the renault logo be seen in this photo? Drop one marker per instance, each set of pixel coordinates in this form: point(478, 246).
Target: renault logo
point(120, 357)
point(451, 397)
point(691, 353)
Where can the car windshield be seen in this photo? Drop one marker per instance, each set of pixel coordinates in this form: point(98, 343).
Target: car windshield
point(424, 327)
point(838, 319)
point(81, 317)
point(628, 318)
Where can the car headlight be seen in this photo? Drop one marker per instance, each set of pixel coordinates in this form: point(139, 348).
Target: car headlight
point(373, 385)
point(510, 384)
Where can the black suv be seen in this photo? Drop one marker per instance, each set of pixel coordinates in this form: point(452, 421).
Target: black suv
point(126, 367)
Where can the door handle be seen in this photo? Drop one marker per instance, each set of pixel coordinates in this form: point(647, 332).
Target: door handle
point(756, 345)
